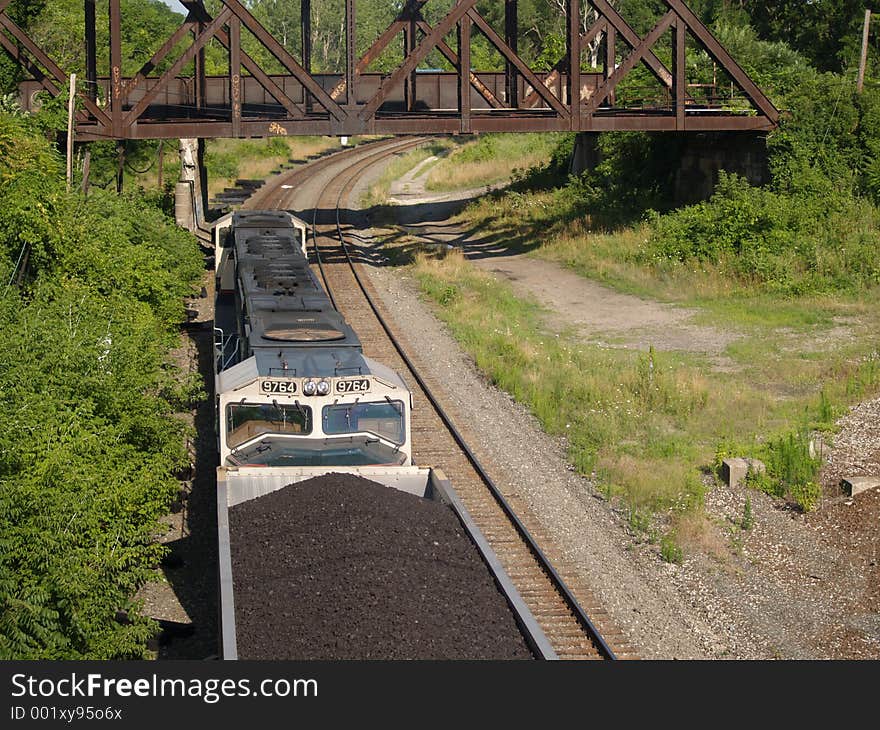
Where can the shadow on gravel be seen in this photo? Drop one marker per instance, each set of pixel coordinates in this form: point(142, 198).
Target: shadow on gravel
point(191, 566)
point(421, 225)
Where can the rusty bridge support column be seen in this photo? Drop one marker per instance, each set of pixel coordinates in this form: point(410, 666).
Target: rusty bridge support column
point(464, 73)
point(350, 53)
point(200, 83)
point(305, 19)
point(679, 74)
point(573, 9)
point(235, 74)
point(91, 51)
point(116, 85)
point(511, 35)
point(410, 37)
point(91, 80)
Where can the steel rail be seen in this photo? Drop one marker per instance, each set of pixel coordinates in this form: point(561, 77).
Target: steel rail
point(392, 148)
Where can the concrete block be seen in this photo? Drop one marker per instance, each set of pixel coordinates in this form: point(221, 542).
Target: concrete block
point(857, 485)
point(734, 470)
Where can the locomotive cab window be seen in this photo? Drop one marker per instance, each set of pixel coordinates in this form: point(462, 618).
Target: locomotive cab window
point(245, 421)
point(384, 419)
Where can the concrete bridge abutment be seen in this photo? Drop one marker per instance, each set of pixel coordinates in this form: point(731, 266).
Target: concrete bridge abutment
point(696, 158)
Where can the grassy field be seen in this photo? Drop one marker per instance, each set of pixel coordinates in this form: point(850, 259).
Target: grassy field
point(651, 426)
point(489, 159)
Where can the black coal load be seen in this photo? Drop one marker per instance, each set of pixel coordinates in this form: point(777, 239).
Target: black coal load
point(340, 567)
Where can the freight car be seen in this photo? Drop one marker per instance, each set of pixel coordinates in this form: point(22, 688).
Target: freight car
point(297, 398)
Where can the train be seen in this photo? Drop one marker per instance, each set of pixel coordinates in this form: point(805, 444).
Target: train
point(294, 387)
point(296, 397)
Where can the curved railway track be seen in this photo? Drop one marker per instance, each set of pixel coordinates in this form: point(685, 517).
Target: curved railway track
point(558, 607)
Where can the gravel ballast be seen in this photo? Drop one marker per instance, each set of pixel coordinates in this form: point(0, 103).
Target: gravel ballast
point(340, 567)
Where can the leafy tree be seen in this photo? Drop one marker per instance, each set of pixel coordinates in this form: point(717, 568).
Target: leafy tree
point(827, 31)
point(87, 438)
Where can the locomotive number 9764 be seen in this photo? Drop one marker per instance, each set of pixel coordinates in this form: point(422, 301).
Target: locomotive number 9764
point(355, 385)
point(285, 387)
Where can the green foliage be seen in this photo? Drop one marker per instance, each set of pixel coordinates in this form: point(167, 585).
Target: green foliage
point(790, 470)
point(87, 437)
point(670, 550)
point(792, 243)
point(748, 519)
point(827, 32)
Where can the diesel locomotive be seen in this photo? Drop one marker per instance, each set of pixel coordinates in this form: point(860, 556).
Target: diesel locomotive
point(293, 386)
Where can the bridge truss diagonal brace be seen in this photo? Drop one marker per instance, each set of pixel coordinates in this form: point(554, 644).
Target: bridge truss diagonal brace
point(6, 23)
point(288, 61)
point(718, 54)
point(427, 44)
point(520, 65)
point(625, 31)
point(209, 32)
point(638, 54)
point(600, 26)
point(199, 13)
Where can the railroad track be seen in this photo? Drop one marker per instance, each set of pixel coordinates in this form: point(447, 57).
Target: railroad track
point(566, 614)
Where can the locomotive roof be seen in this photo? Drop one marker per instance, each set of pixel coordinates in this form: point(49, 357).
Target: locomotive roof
point(297, 328)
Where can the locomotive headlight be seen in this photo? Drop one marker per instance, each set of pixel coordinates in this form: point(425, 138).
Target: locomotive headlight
point(309, 387)
point(324, 387)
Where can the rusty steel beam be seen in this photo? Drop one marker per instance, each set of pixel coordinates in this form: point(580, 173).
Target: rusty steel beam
point(464, 73)
point(410, 36)
point(305, 24)
point(447, 124)
point(235, 74)
point(679, 71)
point(424, 48)
point(573, 8)
point(527, 73)
point(117, 89)
point(511, 38)
point(638, 53)
point(452, 57)
point(91, 50)
point(350, 53)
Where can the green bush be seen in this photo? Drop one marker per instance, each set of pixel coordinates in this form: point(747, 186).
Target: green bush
point(670, 550)
point(87, 436)
point(791, 470)
point(788, 243)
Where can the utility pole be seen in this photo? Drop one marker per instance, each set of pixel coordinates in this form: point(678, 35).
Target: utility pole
point(863, 61)
point(71, 104)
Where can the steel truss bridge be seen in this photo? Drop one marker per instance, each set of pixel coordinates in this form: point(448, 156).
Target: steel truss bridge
point(250, 102)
